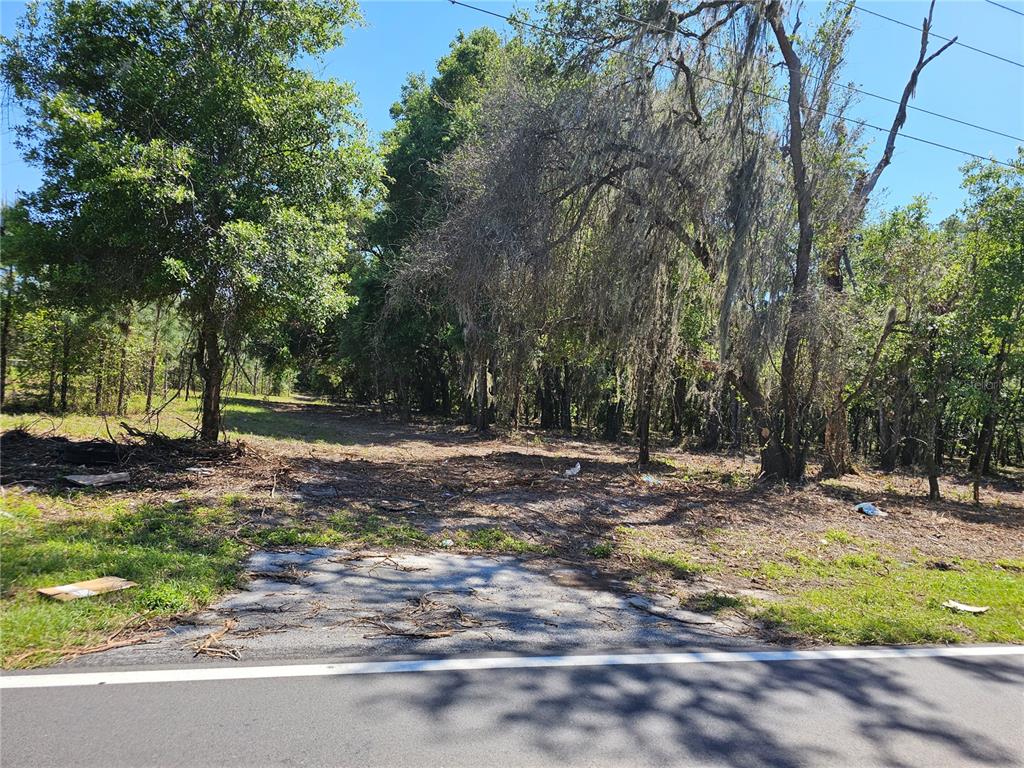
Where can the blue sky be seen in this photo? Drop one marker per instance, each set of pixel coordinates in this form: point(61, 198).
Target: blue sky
point(403, 36)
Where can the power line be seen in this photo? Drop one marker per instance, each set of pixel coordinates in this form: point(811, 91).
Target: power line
point(850, 88)
point(850, 120)
point(1005, 7)
point(938, 36)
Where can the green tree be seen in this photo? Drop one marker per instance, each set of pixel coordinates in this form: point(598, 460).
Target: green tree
point(408, 345)
point(994, 257)
point(187, 153)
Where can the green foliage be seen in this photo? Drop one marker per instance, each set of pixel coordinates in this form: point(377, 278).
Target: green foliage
point(714, 602)
point(187, 153)
point(178, 559)
point(602, 550)
point(958, 293)
point(431, 120)
point(407, 346)
point(377, 531)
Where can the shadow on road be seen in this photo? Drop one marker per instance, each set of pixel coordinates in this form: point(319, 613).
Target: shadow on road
point(743, 714)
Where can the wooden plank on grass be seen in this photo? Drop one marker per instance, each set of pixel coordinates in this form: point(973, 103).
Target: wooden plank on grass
point(88, 588)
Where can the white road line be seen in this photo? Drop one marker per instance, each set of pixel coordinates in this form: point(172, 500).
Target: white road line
point(195, 674)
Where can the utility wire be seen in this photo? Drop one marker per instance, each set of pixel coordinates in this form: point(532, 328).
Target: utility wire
point(938, 36)
point(649, 62)
point(850, 88)
point(1005, 7)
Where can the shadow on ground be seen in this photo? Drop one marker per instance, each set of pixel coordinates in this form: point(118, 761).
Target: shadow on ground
point(747, 714)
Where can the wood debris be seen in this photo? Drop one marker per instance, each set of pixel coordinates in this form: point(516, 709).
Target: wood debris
point(289, 575)
point(213, 644)
point(88, 588)
point(423, 618)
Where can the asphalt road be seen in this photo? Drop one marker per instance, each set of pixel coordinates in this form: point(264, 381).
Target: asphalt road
point(937, 711)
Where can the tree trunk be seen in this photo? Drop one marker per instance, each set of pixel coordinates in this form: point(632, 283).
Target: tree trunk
point(154, 350)
point(776, 462)
point(481, 395)
point(565, 399)
point(547, 402)
point(711, 430)
point(837, 439)
point(122, 373)
point(937, 374)
point(643, 418)
point(5, 334)
point(210, 364)
point(890, 434)
point(514, 415)
point(65, 365)
point(932, 450)
point(444, 386)
point(678, 404)
point(789, 448)
point(98, 384)
point(188, 375)
point(735, 421)
point(467, 388)
point(643, 430)
point(51, 389)
point(988, 424)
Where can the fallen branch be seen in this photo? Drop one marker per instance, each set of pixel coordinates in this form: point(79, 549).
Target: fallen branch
point(213, 644)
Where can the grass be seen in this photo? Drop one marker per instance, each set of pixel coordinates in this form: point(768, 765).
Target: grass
point(495, 540)
point(602, 550)
point(244, 416)
point(175, 555)
point(643, 547)
point(376, 531)
point(869, 597)
point(182, 556)
point(840, 588)
point(676, 564)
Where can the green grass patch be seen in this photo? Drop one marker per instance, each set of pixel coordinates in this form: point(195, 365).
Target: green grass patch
point(495, 540)
point(180, 556)
point(645, 547)
point(837, 536)
point(174, 554)
point(602, 550)
point(244, 415)
point(869, 598)
point(377, 531)
point(676, 564)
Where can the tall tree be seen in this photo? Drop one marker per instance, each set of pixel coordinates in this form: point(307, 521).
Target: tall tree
point(407, 343)
point(187, 152)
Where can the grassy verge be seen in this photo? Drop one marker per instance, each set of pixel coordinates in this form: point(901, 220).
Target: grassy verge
point(858, 594)
point(177, 557)
point(181, 555)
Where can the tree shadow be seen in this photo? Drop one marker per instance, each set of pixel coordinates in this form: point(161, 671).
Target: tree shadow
point(346, 425)
point(749, 714)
